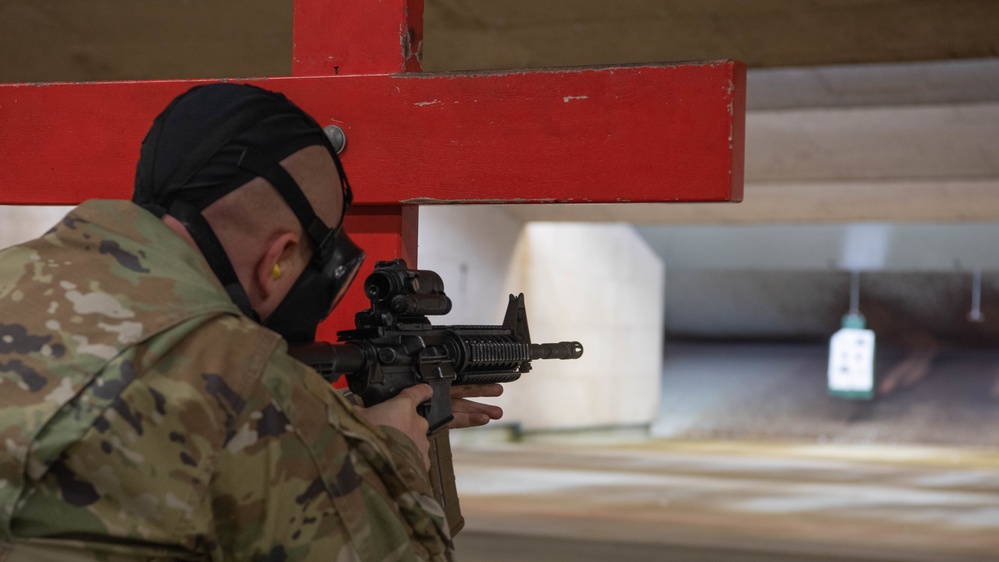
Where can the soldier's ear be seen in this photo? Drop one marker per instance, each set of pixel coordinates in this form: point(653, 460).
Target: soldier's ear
point(277, 270)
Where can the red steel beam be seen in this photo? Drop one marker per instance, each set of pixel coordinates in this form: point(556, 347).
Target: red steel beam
point(618, 134)
point(636, 134)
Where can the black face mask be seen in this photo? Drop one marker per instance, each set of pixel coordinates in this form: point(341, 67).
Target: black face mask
point(317, 291)
point(335, 258)
point(214, 139)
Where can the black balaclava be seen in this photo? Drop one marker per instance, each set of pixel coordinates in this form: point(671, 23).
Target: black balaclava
point(217, 137)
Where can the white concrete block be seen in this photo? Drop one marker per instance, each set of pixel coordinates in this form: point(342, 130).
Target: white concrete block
point(19, 223)
point(599, 284)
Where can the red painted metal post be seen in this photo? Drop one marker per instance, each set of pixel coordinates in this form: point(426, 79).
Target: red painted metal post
point(652, 133)
point(363, 37)
point(357, 37)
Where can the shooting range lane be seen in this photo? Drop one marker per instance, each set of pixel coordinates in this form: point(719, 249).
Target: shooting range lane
point(753, 461)
point(727, 501)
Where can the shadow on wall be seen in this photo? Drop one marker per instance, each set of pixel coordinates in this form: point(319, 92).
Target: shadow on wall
point(777, 392)
point(906, 309)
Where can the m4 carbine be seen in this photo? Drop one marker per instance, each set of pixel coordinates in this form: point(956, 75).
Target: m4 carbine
point(394, 346)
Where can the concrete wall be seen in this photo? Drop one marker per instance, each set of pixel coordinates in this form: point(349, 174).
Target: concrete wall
point(598, 284)
point(473, 249)
point(18, 224)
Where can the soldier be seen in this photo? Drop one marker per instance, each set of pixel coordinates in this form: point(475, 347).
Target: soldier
point(148, 407)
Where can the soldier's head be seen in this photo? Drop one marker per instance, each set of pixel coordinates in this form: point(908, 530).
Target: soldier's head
point(254, 183)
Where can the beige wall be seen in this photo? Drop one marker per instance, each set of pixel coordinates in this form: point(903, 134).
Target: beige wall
point(18, 224)
point(66, 40)
point(600, 285)
point(603, 286)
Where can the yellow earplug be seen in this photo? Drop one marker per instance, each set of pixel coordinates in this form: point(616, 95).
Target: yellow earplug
point(276, 272)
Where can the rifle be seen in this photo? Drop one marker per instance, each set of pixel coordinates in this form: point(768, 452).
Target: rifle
point(394, 346)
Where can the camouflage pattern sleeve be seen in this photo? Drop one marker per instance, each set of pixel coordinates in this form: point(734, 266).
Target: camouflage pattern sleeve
point(136, 480)
point(96, 321)
point(143, 418)
point(305, 478)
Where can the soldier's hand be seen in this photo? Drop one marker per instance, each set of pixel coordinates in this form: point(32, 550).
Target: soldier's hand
point(469, 413)
point(400, 412)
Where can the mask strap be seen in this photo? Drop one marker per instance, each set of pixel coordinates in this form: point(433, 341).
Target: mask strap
point(259, 164)
point(211, 248)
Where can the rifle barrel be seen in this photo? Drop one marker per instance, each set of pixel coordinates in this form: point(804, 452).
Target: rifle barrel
point(560, 350)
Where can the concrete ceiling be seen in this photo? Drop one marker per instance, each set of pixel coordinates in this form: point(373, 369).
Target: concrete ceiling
point(837, 128)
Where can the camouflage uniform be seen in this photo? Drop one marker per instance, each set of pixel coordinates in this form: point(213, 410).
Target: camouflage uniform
point(143, 418)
